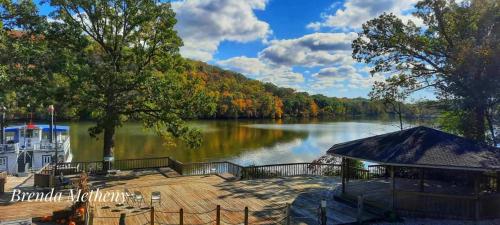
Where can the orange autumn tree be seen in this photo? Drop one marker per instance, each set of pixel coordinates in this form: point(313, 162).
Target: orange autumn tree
point(314, 109)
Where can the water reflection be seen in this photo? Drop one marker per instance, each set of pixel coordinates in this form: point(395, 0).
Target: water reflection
point(244, 142)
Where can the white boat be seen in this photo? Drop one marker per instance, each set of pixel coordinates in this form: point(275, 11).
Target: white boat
point(29, 147)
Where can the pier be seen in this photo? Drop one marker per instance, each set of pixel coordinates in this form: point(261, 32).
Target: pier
point(202, 193)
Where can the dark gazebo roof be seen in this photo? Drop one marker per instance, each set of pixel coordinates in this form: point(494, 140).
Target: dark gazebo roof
point(421, 147)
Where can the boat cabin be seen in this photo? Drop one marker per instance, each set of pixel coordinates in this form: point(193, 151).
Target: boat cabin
point(30, 147)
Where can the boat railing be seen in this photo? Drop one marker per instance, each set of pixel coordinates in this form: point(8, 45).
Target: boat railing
point(65, 144)
point(7, 148)
point(62, 144)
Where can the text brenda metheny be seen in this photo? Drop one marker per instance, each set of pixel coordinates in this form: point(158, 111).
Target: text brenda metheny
point(74, 196)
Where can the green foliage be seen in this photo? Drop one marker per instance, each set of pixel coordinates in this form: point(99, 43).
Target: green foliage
point(456, 53)
point(130, 68)
point(451, 122)
point(235, 96)
point(27, 62)
point(112, 60)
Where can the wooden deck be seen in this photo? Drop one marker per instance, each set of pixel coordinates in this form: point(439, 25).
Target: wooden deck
point(22, 210)
point(199, 196)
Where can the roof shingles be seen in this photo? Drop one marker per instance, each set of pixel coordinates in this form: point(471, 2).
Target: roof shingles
point(421, 146)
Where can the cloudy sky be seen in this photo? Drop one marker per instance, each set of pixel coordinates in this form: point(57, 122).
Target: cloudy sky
point(303, 44)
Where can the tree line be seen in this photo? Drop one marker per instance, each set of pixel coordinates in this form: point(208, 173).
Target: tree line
point(233, 95)
point(118, 60)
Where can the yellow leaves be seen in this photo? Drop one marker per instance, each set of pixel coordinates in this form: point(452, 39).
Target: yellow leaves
point(278, 107)
point(314, 108)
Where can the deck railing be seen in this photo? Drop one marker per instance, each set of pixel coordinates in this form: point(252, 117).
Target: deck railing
point(377, 170)
point(218, 215)
point(291, 169)
point(96, 167)
point(358, 173)
point(207, 168)
point(147, 163)
point(428, 204)
point(175, 165)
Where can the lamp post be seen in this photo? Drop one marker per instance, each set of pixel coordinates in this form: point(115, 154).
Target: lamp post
point(53, 127)
point(2, 124)
point(51, 111)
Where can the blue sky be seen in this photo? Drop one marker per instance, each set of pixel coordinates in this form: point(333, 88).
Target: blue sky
point(303, 44)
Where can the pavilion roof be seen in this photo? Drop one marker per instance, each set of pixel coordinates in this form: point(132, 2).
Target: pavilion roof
point(422, 147)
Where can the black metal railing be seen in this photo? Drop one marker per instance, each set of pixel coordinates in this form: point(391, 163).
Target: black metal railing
point(146, 163)
point(378, 170)
point(291, 169)
point(207, 168)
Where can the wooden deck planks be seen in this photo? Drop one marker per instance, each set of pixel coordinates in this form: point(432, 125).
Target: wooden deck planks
point(200, 195)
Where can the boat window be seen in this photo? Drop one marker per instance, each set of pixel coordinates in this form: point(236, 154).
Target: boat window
point(10, 136)
point(3, 161)
point(45, 135)
point(30, 133)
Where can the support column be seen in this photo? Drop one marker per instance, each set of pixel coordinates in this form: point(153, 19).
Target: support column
point(421, 179)
point(498, 182)
point(476, 194)
point(393, 188)
point(347, 170)
point(343, 170)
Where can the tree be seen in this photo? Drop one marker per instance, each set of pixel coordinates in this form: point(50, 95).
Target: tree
point(29, 61)
point(391, 96)
point(456, 52)
point(131, 68)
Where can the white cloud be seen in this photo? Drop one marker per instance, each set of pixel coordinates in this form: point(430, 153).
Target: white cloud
point(344, 76)
point(203, 24)
point(317, 49)
point(254, 68)
point(314, 26)
point(336, 73)
point(354, 13)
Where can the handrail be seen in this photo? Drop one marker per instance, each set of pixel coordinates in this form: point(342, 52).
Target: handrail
point(217, 167)
point(302, 163)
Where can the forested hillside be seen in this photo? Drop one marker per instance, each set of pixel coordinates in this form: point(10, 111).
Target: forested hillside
point(235, 96)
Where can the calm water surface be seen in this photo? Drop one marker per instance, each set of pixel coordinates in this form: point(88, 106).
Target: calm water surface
point(244, 142)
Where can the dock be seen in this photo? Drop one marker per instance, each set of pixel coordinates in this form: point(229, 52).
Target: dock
point(199, 196)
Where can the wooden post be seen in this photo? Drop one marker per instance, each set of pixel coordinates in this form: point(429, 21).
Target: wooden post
point(421, 179)
point(476, 201)
point(217, 216)
point(347, 170)
point(498, 182)
point(152, 215)
point(393, 187)
point(360, 209)
point(246, 216)
point(342, 168)
point(181, 216)
point(122, 219)
point(288, 214)
point(323, 212)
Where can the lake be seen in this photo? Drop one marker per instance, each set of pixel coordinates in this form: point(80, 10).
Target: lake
point(246, 142)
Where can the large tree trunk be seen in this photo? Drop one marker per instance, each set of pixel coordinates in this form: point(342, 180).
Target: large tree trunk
point(476, 127)
point(491, 127)
point(400, 114)
point(109, 144)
